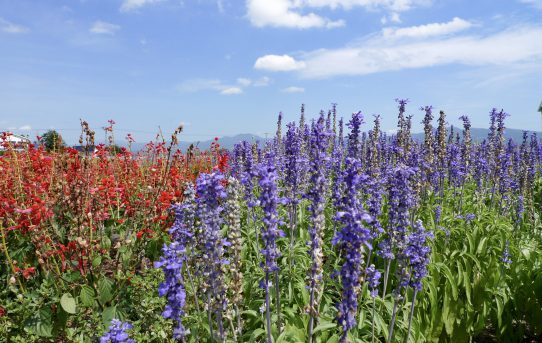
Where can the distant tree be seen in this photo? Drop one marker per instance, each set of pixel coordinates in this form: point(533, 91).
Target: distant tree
point(52, 141)
point(114, 149)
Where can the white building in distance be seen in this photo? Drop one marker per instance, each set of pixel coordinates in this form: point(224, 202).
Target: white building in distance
point(16, 141)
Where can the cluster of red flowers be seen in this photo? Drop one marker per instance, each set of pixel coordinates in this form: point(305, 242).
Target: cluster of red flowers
point(60, 202)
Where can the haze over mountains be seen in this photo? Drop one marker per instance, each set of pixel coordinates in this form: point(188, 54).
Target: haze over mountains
point(228, 142)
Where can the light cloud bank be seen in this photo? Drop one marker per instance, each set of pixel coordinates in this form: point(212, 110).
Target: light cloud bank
point(290, 13)
point(418, 49)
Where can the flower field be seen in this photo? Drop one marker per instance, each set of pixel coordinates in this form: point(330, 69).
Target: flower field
point(333, 232)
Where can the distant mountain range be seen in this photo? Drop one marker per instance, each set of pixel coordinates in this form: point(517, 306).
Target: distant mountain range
point(480, 134)
point(228, 142)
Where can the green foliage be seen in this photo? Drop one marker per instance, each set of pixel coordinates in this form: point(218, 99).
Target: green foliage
point(52, 141)
point(469, 291)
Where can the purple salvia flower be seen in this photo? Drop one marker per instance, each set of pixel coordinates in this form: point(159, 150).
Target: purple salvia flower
point(418, 252)
point(373, 280)
point(268, 201)
point(270, 232)
point(470, 217)
point(247, 173)
point(340, 136)
point(352, 240)
point(354, 144)
point(279, 131)
point(438, 214)
point(400, 200)
point(505, 259)
point(316, 194)
point(211, 192)
point(117, 333)
point(171, 262)
point(293, 164)
point(173, 259)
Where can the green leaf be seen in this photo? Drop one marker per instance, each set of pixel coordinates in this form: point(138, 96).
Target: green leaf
point(324, 327)
point(256, 333)
point(105, 290)
point(87, 296)
point(40, 324)
point(97, 261)
point(481, 245)
point(450, 278)
point(109, 314)
point(68, 303)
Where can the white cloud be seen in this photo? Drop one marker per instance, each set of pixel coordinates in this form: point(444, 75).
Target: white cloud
point(9, 27)
point(281, 13)
point(198, 85)
point(395, 17)
point(238, 87)
point(244, 81)
point(378, 53)
point(102, 27)
point(292, 13)
point(428, 30)
point(278, 63)
point(394, 5)
point(231, 91)
point(535, 3)
point(25, 128)
point(262, 82)
point(294, 89)
point(132, 5)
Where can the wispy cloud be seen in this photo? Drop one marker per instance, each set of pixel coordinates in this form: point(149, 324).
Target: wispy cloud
point(278, 63)
point(244, 81)
point(216, 85)
point(9, 27)
point(535, 3)
point(428, 30)
point(25, 128)
point(132, 5)
point(290, 13)
point(231, 91)
point(262, 82)
point(102, 27)
point(380, 53)
point(293, 89)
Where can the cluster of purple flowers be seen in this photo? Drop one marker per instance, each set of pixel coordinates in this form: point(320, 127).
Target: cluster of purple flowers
point(268, 201)
point(373, 279)
point(417, 252)
point(373, 183)
point(171, 262)
point(352, 239)
point(117, 333)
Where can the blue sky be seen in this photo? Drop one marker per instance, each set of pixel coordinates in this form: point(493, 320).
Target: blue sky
point(224, 67)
